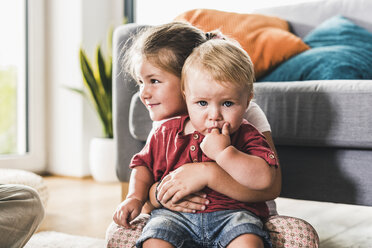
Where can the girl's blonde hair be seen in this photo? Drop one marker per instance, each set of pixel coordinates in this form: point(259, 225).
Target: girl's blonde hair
point(166, 46)
point(225, 61)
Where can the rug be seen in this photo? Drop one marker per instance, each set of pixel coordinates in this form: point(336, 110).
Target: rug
point(52, 239)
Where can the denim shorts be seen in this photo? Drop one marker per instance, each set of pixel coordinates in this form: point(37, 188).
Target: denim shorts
point(215, 229)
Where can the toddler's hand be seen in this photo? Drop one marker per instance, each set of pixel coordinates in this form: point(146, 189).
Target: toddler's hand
point(215, 142)
point(127, 211)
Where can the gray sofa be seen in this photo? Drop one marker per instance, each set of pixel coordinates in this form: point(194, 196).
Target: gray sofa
point(322, 129)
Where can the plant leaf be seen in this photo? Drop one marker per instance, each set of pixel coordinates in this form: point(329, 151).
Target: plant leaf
point(92, 85)
point(98, 81)
point(76, 90)
point(105, 80)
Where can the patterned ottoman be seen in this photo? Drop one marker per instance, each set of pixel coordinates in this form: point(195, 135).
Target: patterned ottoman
point(285, 232)
point(291, 232)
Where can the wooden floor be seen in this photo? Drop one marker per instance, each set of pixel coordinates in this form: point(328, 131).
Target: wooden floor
point(80, 206)
point(85, 207)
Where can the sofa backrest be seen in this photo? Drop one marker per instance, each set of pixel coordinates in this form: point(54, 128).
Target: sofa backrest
point(303, 17)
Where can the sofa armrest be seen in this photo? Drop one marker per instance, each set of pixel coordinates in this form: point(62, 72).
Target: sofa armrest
point(124, 87)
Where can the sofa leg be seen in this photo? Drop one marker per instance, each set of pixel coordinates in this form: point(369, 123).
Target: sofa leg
point(124, 190)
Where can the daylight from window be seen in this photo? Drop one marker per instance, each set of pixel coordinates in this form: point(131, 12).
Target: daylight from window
point(12, 77)
point(163, 11)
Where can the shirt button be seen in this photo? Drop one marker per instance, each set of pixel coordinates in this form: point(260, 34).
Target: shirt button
point(196, 136)
point(192, 148)
point(271, 156)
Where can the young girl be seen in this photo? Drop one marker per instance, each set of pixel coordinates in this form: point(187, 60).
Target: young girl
point(166, 48)
point(158, 55)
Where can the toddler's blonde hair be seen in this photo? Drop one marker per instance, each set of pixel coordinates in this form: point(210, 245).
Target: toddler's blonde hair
point(225, 61)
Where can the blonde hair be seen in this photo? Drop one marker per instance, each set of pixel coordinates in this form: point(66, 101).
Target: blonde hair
point(225, 61)
point(166, 46)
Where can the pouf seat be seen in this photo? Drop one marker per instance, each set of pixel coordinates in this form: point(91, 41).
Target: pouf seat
point(52, 239)
point(285, 232)
point(15, 176)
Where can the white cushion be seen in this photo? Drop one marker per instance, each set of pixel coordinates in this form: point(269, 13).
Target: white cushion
point(15, 176)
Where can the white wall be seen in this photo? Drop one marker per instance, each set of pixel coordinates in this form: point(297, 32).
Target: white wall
point(71, 121)
point(163, 11)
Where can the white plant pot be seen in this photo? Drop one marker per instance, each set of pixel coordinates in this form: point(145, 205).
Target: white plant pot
point(102, 160)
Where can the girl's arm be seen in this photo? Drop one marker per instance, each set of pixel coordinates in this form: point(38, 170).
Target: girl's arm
point(139, 185)
point(181, 183)
point(276, 188)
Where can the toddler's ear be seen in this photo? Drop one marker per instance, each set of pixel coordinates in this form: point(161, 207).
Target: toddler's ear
point(249, 100)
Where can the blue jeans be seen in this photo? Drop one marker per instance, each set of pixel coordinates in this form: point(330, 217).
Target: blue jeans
point(216, 229)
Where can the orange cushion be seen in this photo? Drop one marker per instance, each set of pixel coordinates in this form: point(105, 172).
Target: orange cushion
point(267, 39)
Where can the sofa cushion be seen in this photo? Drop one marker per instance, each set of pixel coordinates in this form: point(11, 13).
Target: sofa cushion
point(339, 50)
point(266, 38)
point(339, 30)
point(140, 122)
point(318, 113)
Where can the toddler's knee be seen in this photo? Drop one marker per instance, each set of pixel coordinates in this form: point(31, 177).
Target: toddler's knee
point(247, 240)
point(157, 243)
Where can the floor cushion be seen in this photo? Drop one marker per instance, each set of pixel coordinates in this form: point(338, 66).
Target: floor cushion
point(291, 232)
point(285, 232)
point(15, 176)
point(51, 239)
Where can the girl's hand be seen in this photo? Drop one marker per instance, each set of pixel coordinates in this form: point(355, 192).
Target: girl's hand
point(127, 211)
point(181, 183)
point(215, 142)
point(189, 204)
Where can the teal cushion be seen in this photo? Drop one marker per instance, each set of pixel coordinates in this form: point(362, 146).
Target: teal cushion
point(339, 50)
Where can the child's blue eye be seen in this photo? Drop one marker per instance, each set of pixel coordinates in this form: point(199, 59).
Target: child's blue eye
point(228, 104)
point(202, 103)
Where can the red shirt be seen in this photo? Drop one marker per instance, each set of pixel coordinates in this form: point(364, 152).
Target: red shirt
point(169, 149)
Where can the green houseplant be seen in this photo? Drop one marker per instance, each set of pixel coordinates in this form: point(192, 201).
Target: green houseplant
point(98, 84)
point(97, 77)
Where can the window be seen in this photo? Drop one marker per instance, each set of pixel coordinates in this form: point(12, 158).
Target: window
point(13, 112)
point(21, 84)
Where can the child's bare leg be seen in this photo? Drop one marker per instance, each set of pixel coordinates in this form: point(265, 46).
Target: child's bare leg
point(247, 240)
point(150, 243)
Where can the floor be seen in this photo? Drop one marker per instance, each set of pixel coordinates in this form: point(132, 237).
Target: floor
point(80, 206)
point(85, 207)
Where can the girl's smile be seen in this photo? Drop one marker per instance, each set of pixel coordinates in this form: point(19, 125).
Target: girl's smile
point(160, 92)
